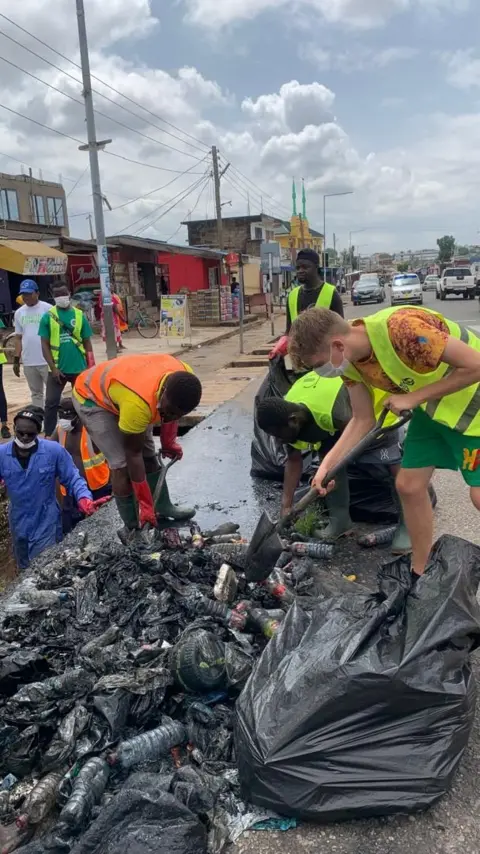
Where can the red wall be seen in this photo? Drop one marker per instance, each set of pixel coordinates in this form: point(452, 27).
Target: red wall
point(187, 271)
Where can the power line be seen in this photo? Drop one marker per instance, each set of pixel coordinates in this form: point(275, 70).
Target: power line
point(77, 182)
point(159, 189)
point(258, 189)
point(187, 193)
point(78, 101)
point(112, 88)
point(206, 184)
point(150, 213)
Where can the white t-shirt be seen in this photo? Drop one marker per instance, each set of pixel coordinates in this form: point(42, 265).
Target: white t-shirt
point(27, 321)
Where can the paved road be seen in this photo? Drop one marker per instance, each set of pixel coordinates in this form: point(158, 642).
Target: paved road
point(456, 308)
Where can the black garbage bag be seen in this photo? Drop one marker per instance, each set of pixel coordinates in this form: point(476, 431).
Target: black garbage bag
point(141, 819)
point(268, 454)
point(364, 707)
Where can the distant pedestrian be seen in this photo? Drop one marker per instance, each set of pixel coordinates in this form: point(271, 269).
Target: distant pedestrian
point(119, 320)
point(67, 347)
point(28, 346)
point(4, 431)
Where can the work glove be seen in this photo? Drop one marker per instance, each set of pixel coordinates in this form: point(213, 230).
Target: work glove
point(89, 507)
point(146, 510)
point(16, 365)
point(280, 348)
point(90, 359)
point(168, 438)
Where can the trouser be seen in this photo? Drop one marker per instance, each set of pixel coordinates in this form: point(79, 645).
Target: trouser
point(52, 399)
point(3, 399)
point(36, 377)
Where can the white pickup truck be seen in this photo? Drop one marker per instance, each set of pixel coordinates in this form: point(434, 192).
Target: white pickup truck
point(457, 280)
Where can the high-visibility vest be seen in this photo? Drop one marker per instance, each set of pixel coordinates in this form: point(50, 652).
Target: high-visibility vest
point(319, 395)
point(144, 375)
point(461, 410)
point(56, 328)
point(97, 471)
point(324, 299)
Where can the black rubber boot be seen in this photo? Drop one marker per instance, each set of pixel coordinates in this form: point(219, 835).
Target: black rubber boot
point(164, 507)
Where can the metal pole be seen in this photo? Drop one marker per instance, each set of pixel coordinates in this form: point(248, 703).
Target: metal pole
point(241, 306)
point(93, 146)
point(324, 238)
point(270, 276)
point(218, 203)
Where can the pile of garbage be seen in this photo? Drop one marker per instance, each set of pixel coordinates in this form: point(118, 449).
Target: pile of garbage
point(119, 671)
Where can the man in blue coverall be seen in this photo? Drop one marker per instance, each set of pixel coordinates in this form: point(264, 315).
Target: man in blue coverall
point(29, 467)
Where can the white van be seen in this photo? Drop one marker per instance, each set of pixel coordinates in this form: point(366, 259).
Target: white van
point(457, 280)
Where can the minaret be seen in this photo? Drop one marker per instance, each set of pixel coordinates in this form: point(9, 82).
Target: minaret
point(294, 198)
point(304, 200)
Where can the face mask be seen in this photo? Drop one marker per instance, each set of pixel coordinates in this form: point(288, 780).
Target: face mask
point(25, 445)
point(329, 371)
point(62, 302)
point(66, 424)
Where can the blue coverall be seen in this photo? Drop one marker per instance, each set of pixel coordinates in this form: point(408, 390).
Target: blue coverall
point(34, 513)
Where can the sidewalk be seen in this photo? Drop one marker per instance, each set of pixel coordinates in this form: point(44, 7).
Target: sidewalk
point(209, 351)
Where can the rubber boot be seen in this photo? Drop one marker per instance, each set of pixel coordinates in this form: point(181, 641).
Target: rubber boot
point(338, 506)
point(164, 507)
point(401, 543)
point(128, 513)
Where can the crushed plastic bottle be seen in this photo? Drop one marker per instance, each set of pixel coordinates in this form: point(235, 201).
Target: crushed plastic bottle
point(276, 584)
point(45, 598)
point(149, 746)
point(100, 642)
point(318, 551)
point(41, 800)
point(233, 618)
point(378, 538)
point(260, 621)
point(88, 788)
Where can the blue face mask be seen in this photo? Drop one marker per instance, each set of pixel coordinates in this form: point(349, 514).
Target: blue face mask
point(329, 371)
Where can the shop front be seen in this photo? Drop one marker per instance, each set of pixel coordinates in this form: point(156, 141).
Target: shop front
point(27, 259)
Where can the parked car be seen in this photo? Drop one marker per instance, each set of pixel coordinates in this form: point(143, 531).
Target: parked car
point(457, 280)
point(430, 283)
point(368, 289)
point(406, 288)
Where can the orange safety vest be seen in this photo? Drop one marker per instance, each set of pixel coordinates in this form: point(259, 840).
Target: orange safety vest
point(97, 471)
point(141, 374)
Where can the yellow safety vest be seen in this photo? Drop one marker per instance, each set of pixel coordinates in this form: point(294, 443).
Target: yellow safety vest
point(324, 299)
point(56, 327)
point(459, 411)
point(318, 394)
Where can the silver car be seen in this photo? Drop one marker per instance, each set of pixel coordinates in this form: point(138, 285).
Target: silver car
point(406, 288)
point(430, 282)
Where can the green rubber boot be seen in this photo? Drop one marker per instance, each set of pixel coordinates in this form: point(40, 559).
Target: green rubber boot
point(401, 543)
point(127, 510)
point(338, 506)
point(164, 507)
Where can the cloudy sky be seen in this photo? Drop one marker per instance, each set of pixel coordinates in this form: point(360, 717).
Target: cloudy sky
point(378, 97)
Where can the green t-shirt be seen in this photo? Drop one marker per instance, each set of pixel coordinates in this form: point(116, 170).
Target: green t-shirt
point(70, 359)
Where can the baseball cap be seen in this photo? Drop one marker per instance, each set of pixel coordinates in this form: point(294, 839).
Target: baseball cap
point(28, 286)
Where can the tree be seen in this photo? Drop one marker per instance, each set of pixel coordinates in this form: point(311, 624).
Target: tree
point(403, 267)
point(462, 250)
point(446, 248)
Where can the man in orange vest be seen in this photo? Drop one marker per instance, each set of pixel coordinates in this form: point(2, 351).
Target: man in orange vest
point(90, 462)
point(119, 402)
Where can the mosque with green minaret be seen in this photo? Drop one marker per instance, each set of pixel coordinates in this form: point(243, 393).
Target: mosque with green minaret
point(296, 234)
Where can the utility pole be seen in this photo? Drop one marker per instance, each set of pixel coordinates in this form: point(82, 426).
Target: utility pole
point(218, 202)
point(92, 148)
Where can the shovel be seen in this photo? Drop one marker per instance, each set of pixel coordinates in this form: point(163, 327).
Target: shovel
point(266, 546)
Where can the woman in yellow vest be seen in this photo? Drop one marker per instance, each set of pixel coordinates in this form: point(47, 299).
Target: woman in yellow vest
point(90, 462)
point(311, 417)
point(421, 361)
point(312, 291)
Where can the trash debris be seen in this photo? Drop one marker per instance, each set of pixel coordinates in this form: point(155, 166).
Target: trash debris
point(88, 788)
point(387, 695)
point(149, 746)
point(226, 584)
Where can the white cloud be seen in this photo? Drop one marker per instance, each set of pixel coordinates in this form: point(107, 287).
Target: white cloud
point(463, 68)
point(353, 14)
point(358, 58)
point(292, 108)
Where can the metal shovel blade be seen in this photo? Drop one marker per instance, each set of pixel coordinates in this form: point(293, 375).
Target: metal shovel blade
point(263, 551)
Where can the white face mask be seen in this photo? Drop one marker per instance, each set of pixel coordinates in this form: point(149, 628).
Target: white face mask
point(329, 371)
point(65, 424)
point(25, 445)
point(62, 302)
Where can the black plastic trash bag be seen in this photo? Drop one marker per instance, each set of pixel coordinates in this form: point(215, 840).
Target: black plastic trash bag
point(364, 707)
point(141, 819)
point(268, 454)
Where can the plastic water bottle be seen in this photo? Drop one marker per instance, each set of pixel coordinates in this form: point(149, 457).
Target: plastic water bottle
point(318, 551)
point(261, 622)
point(88, 788)
point(45, 598)
point(277, 586)
point(41, 800)
point(149, 746)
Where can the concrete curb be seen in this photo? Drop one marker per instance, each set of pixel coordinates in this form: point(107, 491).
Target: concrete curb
point(217, 338)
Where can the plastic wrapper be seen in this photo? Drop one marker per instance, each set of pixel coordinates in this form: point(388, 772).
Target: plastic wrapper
point(21, 752)
point(86, 599)
point(268, 454)
point(387, 696)
point(114, 708)
point(72, 684)
point(64, 740)
point(141, 819)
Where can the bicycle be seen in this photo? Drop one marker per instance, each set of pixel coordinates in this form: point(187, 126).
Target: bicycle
point(145, 325)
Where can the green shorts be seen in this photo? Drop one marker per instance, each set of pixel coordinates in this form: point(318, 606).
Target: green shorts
point(429, 443)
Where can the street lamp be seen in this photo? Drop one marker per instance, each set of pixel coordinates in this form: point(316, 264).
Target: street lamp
point(325, 197)
point(357, 231)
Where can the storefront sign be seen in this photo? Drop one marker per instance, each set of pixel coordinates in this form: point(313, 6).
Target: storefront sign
point(232, 259)
point(174, 320)
point(83, 271)
point(34, 266)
